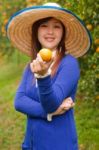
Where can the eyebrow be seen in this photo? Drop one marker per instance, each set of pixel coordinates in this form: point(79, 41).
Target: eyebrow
point(57, 22)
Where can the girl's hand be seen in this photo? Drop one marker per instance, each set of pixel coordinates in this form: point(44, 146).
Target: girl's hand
point(66, 105)
point(39, 66)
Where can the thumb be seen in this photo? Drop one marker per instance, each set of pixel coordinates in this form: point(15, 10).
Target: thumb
point(51, 61)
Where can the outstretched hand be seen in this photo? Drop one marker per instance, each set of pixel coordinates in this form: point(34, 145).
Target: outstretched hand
point(39, 66)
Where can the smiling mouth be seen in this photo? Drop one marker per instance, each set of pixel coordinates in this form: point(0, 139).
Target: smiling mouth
point(49, 39)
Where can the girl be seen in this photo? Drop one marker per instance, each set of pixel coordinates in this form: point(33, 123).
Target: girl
point(47, 91)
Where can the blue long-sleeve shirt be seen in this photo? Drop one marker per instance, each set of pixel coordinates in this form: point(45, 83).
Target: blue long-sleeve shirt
point(36, 102)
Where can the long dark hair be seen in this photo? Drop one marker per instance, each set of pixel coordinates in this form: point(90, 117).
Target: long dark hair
point(36, 46)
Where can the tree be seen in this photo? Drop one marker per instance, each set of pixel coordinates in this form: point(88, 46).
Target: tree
point(87, 10)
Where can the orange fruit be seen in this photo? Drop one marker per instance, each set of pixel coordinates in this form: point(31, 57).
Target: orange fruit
point(46, 54)
point(96, 41)
point(97, 49)
point(89, 26)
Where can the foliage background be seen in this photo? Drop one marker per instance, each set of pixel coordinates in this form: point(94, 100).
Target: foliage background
point(12, 63)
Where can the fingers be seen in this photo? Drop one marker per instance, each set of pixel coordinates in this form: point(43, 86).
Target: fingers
point(69, 99)
point(43, 63)
point(31, 67)
point(59, 111)
point(67, 104)
point(39, 58)
point(34, 66)
point(39, 66)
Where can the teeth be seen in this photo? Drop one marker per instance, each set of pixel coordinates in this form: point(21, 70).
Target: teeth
point(49, 39)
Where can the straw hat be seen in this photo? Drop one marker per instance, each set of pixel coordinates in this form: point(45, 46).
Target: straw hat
point(19, 31)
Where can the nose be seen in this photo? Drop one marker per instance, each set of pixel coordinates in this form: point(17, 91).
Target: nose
point(50, 30)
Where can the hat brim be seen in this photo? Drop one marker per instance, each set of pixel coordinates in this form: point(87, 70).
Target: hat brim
point(19, 29)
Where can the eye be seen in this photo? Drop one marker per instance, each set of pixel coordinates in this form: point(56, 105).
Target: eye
point(57, 26)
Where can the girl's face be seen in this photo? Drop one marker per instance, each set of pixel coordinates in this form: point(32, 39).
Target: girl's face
point(50, 34)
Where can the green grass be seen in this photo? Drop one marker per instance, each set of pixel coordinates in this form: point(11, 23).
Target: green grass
point(12, 123)
point(87, 120)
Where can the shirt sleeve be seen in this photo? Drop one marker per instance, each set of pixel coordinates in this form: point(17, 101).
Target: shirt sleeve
point(25, 104)
point(52, 95)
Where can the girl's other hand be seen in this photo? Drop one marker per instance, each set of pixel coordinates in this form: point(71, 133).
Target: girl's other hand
point(66, 105)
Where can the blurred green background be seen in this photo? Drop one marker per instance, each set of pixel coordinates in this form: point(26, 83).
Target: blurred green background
point(12, 63)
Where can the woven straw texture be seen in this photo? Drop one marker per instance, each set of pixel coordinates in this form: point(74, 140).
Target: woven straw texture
point(19, 30)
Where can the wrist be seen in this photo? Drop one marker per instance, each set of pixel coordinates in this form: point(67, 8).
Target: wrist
point(44, 75)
